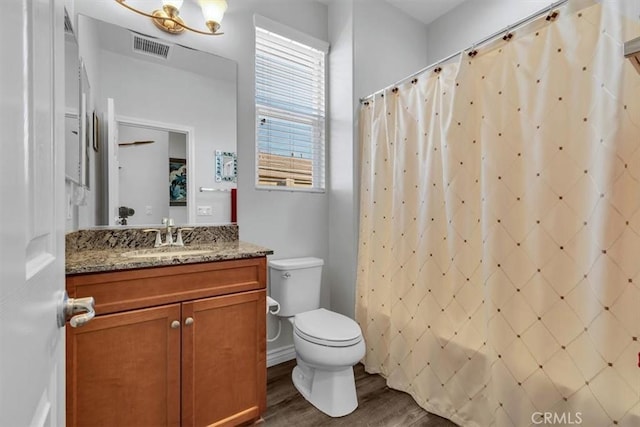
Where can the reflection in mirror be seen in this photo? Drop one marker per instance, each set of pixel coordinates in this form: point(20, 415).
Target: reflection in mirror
point(71, 123)
point(85, 133)
point(226, 166)
point(146, 156)
point(161, 92)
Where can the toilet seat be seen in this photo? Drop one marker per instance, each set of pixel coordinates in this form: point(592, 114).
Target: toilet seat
point(327, 328)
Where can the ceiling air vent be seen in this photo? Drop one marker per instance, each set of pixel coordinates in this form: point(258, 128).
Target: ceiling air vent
point(150, 47)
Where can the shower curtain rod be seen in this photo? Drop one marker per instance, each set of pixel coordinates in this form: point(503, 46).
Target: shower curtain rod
point(504, 32)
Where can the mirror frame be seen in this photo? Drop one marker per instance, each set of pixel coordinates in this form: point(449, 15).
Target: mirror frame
point(220, 162)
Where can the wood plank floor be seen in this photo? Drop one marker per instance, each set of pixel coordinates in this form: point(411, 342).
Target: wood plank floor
point(378, 405)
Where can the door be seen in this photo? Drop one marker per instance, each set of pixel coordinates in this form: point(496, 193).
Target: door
point(126, 369)
point(32, 215)
point(224, 360)
point(112, 164)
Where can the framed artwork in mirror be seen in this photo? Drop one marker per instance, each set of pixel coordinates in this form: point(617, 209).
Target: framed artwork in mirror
point(177, 182)
point(226, 166)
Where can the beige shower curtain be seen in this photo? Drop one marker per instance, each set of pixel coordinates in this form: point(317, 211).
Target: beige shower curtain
point(499, 251)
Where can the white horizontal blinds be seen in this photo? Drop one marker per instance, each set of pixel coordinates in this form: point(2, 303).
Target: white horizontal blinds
point(290, 112)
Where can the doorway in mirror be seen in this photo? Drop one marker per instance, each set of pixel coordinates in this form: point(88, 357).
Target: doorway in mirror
point(145, 177)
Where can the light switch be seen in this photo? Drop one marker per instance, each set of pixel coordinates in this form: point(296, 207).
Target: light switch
point(148, 210)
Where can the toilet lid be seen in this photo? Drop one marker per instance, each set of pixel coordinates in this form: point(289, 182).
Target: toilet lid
point(327, 328)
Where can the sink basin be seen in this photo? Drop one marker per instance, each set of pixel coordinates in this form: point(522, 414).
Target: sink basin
point(165, 253)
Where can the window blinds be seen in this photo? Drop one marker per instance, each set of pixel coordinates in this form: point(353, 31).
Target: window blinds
point(290, 113)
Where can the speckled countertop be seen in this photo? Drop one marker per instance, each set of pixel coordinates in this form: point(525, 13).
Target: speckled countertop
point(110, 249)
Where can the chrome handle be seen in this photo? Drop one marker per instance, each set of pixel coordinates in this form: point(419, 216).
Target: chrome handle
point(158, 241)
point(286, 275)
point(175, 324)
point(179, 241)
point(188, 321)
point(73, 306)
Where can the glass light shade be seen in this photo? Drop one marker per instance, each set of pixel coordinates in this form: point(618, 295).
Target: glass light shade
point(213, 10)
point(175, 3)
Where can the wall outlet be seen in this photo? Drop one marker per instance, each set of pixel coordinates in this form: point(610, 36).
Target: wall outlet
point(205, 211)
point(148, 210)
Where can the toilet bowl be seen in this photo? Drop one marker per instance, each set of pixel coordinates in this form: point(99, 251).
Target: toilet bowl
point(327, 344)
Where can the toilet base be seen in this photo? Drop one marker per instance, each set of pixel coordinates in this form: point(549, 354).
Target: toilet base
point(332, 392)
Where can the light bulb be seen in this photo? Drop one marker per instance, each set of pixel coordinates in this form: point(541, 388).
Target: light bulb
point(213, 10)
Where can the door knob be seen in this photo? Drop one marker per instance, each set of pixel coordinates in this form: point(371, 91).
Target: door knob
point(188, 321)
point(78, 311)
point(175, 324)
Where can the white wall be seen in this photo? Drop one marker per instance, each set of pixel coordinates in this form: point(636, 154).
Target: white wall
point(472, 21)
point(373, 46)
point(339, 269)
point(389, 46)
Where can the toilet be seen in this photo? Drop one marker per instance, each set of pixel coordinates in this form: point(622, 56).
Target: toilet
point(327, 344)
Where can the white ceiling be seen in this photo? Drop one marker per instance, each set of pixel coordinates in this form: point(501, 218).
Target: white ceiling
point(425, 10)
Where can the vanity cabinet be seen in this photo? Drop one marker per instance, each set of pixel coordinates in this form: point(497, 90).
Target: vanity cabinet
point(178, 345)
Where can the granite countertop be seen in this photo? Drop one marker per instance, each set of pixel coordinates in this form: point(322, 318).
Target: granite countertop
point(102, 260)
point(103, 250)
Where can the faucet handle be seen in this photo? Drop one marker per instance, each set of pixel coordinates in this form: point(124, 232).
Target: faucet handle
point(158, 242)
point(179, 241)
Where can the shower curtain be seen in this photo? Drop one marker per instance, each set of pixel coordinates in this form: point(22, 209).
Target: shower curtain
point(499, 251)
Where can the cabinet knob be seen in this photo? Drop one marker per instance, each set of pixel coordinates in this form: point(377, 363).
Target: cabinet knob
point(188, 321)
point(175, 324)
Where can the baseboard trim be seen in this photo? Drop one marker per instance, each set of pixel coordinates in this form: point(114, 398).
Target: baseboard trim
point(280, 355)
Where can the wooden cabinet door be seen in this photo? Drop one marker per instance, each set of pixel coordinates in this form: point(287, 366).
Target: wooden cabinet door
point(224, 360)
point(124, 369)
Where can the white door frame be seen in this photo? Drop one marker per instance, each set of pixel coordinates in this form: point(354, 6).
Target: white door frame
point(190, 139)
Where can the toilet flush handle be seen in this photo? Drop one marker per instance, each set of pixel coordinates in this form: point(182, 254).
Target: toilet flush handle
point(286, 275)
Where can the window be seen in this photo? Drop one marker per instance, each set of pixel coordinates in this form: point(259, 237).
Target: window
point(290, 112)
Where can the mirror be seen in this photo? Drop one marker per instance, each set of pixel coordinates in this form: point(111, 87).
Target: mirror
point(174, 107)
point(226, 166)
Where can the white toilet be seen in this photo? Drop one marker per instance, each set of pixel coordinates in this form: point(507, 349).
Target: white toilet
point(327, 344)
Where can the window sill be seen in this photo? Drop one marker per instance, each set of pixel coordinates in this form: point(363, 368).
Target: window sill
point(290, 189)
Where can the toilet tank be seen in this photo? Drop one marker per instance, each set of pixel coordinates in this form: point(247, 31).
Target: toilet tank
point(295, 284)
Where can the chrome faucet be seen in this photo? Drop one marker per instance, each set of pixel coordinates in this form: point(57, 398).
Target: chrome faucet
point(169, 225)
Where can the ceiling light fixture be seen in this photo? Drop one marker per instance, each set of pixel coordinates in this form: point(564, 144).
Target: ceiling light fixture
point(168, 18)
